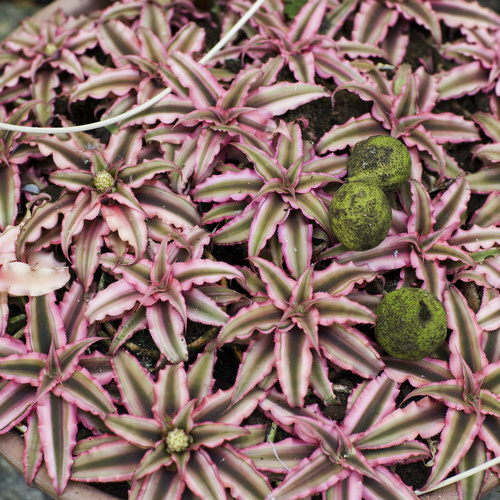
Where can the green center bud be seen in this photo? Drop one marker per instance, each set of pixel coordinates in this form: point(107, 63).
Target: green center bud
point(50, 48)
point(177, 441)
point(103, 180)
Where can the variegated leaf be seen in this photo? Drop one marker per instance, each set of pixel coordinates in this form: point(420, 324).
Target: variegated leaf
point(115, 461)
point(58, 426)
point(294, 363)
point(262, 317)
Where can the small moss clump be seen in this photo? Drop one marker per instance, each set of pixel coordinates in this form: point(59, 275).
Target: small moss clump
point(381, 160)
point(361, 215)
point(411, 323)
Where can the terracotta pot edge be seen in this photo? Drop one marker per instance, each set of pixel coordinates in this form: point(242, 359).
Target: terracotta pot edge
point(12, 448)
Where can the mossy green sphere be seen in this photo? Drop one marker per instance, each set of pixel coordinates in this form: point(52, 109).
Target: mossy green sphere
point(411, 323)
point(381, 160)
point(360, 215)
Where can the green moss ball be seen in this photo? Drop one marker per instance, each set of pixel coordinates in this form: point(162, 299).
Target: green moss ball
point(360, 215)
point(382, 160)
point(411, 323)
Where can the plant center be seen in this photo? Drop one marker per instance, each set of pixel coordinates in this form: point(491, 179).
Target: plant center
point(177, 441)
point(103, 180)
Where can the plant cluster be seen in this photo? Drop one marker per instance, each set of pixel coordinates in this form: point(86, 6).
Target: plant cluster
point(176, 311)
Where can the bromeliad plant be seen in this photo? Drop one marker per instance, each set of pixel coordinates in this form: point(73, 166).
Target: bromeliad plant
point(201, 223)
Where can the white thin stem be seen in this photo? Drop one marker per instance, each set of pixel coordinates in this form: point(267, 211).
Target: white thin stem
point(132, 112)
point(462, 475)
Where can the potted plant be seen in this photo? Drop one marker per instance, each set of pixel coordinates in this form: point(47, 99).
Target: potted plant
point(179, 317)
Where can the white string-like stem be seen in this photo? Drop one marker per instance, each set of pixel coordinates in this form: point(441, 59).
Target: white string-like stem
point(462, 475)
point(151, 102)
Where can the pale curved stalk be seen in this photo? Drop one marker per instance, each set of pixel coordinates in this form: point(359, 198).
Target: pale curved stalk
point(132, 112)
point(462, 475)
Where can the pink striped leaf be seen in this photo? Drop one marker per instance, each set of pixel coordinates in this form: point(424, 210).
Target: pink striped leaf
point(273, 457)
point(485, 180)
point(118, 40)
point(490, 403)
point(87, 249)
point(476, 237)
point(464, 79)
point(115, 461)
point(85, 392)
point(320, 381)
point(113, 301)
point(135, 384)
point(46, 217)
point(271, 212)
point(167, 330)
point(230, 185)
point(238, 229)
point(423, 14)
point(422, 139)
point(239, 474)
point(313, 475)
point(340, 310)
point(256, 364)
point(313, 208)
point(349, 133)
point(400, 453)
point(213, 434)
point(489, 433)
point(425, 418)
point(476, 455)
point(45, 327)
point(293, 363)
point(418, 373)
point(24, 368)
point(350, 349)
point(393, 254)
point(20, 279)
point(200, 271)
point(219, 407)
point(202, 478)
point(170, 391)
point(388, 486)
point(456, 438)
point(262, 317)
point(489, 124)
point(328, 64)
point(467, 336)
point(284, 96)
point(488, 317)
point(444, 127)
point(377, 395)
point(10, 186)
point(204, 89)
point(140, 431)
point(157, 200)
point(372, 22)
point(199, 380)
point(86, 207)
point(16, 402)
point(32, 455)
point(451, 205)
point(202, 309)
point(340, 279)
point(130, 225)
point(465, 14)
point(58, 427)
point(10, 345)
point(120, 81)
point(279, 286)
point(161, 483)
point(295, 236)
